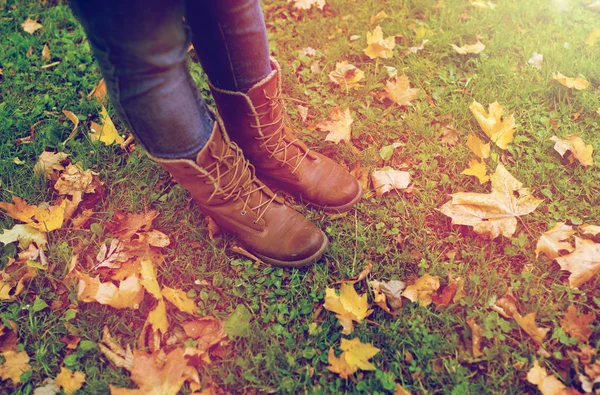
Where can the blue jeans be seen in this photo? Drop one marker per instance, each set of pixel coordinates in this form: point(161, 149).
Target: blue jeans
point(141, 48)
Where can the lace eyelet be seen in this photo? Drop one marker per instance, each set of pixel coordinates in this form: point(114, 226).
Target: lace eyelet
point(243, 212)
point(254, 222)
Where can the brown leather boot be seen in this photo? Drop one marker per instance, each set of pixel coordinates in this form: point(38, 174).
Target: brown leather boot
point(223, 183)
point(256, 122)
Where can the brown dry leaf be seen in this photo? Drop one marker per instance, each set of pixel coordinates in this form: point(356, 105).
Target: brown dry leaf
point(495, 213)
point(478, 169)
point(475, 337)
point(46, 53)
point(583, 262)
point(381, 15)
point(48, 162)
point(348, 306)
point(449, 135)
point(73, 118)
point(125, 225)
point(552, 241)
point(401, 391)
point(386, 179)
point(346, 76)
point(575, 83)
point(179, 299)
point(99, 92)
point(44, 218)
point(377, 46)
point(8, 337)
point(400, 92)
point(105, 132)
point(577, 325)
point(469, 48)
point(498, 128)
point(449, 293)
point(159, 373)
point(213, 229)
point(361, 276)
point(362, 175)
point(422, 290)
point(477, 146)
point(588, 229)
point(30, 26)
point(71, 341)
point(338, 125)
point(128, 294)
point(207, 331)
point(388, 295)
point(577, 148)
point(74, 180)
point(303, 112)
point(15, 364)
point(69, 381)
point(547, 384)
point(527, 323)
point(13, 278)
point(355, 356)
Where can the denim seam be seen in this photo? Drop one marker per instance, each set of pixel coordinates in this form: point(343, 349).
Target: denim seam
point(228, 57)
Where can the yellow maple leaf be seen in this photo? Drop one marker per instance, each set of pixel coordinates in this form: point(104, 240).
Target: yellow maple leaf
point(378, 47)
point(575, 145)
point(69, 381)
point(477, 146)
point(106, 132)
point(495, 213)
point(157, 318)
point(478, 169)
point(355, 356)
point(44, 219)
point(19, 209)
point(422, 290)
point(469, 48)
point(348, 306)
point(129, 294)
point(399, 91)
point(381, 15)
point(575, 83)
point(30, 26)
point(338, 125)
point(499, 130)
point(551, 242)
point(583, 262)
point(547, 384)
point(346, 75)
point(179, 299)
point(15, 364)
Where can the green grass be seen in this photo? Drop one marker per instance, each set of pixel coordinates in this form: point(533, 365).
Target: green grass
point(424, 349)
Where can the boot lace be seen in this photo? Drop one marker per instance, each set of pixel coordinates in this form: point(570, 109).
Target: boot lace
point(275, 142)
point(242, 181)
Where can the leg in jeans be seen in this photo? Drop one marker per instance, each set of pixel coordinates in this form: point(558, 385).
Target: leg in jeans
point(230, 39)
point(141, 48)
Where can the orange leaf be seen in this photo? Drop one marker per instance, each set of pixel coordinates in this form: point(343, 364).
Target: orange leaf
point(69, 381)
point(338, 125)
point(577, 325)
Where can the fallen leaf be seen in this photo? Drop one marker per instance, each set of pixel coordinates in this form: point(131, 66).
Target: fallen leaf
point(355, 356)
point(577, 148)
point(422, 290)
point(74, 180)
point(30, 26)
point(583, 262)
point(348, 306)
point(547, 384)
point(338, 125)
point(577, 325)
point(99, 92)
point(346, 76)
point(386, 152)
point(475, 338)
point(303, 112)
point(575, 83)
point(49, 388)
point(46, 53)
point(8, 337)
point(105, 132)
point(386, 179)
point(588, 229)
point(418, 47)
point(495, 213)
point(500, 131)
point(400, 92)
point(449, 135)
point(381, 15)
point(552, 241)
point(73, 118)
point(361, 276)
point(213, 229)
point(536, 60)
point(48, 162)
point(69, 381)
point(377, 46)
point(15, 364)
point(478, 169)
point(42, 218)
point(128, 294)
point(448, 294)
point(594, 35)
point(207, 331)
point(179, 300)
point(24, 234)
point(483, 4)
point(527, 323)
point(401, 391)
point(469, 48)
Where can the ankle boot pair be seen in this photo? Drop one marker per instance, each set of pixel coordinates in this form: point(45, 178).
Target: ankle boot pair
point(226, 186)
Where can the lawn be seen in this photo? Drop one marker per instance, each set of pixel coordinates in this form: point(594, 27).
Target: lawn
point(490, 315)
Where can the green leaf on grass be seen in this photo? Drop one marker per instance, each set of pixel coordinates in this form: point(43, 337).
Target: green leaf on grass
point(238, 323)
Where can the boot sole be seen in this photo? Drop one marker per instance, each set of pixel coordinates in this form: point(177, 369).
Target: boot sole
point(296, 264)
